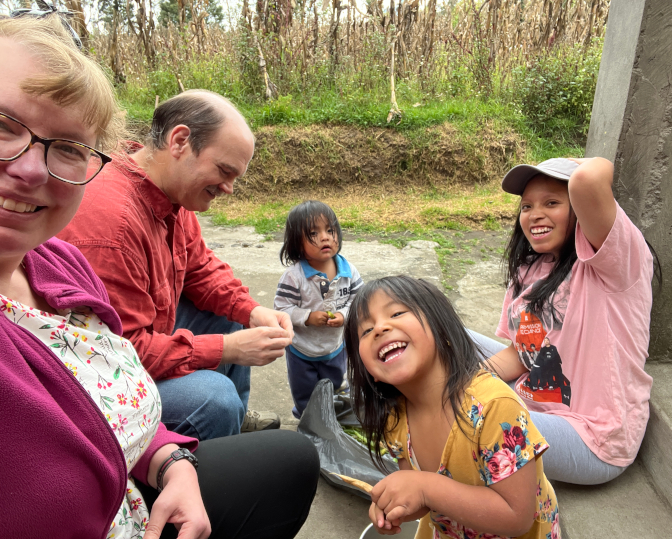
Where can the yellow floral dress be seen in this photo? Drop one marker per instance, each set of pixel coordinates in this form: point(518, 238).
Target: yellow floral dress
point(108, 368)
point(500, 439)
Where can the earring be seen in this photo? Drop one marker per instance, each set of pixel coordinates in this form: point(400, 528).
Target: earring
point(447, 342)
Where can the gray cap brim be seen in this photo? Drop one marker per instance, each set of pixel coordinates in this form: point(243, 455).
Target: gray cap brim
point(517, 178)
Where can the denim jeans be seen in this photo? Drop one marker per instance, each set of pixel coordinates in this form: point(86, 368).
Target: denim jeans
point(205, 404)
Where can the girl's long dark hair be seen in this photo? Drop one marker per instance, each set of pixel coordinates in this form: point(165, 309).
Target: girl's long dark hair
point(520, 257)
point(300, 221)
point(459, 355)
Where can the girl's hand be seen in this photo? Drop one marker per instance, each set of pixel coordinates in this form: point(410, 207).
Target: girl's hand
point(400, 496)
point(382, 526)
point(317, 318)
point(337, 321)
point(179, 503)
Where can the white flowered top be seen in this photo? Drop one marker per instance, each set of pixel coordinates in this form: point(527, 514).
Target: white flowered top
point(108, 368)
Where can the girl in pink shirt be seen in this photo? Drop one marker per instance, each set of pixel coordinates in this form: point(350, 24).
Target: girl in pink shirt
point(577, 312)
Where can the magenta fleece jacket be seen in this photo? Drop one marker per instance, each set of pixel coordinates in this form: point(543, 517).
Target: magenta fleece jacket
point(62, 471)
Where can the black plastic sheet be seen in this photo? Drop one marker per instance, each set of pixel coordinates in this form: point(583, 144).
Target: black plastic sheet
point(339, 453)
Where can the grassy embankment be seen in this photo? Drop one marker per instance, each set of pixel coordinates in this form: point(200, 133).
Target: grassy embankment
point(436, 170)
point(439, 169)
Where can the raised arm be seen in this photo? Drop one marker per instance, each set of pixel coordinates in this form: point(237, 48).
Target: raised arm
point(592, 198)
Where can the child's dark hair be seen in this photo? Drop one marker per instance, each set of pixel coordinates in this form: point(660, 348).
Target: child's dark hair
point(300, 221)
point(519, 258)
point(459, 355)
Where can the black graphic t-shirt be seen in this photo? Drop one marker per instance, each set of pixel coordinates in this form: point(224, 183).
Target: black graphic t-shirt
point(545, 381)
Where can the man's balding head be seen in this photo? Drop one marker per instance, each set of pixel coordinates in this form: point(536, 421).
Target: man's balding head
point(199, 145)
point(202, 111)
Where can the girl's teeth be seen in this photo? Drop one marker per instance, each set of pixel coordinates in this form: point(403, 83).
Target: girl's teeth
point(392, 356)
point(389, 348)
point(9, 204)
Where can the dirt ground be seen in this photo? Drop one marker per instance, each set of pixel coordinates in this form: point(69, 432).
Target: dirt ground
point(468, 249)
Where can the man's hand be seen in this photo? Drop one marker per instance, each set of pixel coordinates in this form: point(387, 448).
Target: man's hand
point(337, 321)
point(317, 318)
point(269, 334)
point(255, 347)
point(263, 317)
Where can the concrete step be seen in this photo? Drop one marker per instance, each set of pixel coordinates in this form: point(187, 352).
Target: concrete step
point(627, 507)
point(656, 448)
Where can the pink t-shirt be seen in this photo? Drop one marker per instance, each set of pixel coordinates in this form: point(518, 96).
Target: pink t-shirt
point(586, 363)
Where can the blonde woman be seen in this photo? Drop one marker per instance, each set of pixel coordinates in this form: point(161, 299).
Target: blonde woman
point(85, 454)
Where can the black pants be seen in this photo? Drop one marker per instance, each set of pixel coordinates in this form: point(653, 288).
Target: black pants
point(254, 485)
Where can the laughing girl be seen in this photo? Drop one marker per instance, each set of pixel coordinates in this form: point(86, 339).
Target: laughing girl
point(469, 457)
point(579, 292)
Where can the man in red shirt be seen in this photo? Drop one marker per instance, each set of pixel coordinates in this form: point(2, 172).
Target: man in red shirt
point(180, 306)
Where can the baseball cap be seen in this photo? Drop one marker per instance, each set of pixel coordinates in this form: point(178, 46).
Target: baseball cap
point(516, 179)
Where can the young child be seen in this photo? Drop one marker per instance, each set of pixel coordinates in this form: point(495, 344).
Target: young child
point(469, 456)
point(579, 294)
point(316, 292)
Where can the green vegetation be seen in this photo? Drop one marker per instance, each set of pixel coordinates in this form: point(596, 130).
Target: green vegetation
point(547, 101)
point(267, 219)
point(358, 434)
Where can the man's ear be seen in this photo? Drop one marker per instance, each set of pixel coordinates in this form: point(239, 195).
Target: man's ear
point(178, 140)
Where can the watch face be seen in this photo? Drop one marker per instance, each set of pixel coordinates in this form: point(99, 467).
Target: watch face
point(184, 453)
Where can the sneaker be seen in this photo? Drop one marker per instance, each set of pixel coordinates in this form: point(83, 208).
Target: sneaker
point(255, 421)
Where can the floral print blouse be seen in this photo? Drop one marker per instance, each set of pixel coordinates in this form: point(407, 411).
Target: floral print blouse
point(108, 368)
point(503, 440)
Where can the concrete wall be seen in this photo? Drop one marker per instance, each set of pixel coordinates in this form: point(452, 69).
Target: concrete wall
point(639, 139)
point(613, 82)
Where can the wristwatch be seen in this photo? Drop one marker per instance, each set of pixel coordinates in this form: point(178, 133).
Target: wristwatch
point(178, 454)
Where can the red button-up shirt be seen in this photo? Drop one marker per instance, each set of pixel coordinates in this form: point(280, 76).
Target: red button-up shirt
point(148, 252)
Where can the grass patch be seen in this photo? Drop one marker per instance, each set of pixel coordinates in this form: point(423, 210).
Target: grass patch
point(267, 219)
point(467, 115)
point(392, 214)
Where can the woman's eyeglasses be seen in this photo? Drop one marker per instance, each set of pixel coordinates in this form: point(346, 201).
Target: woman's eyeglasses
point(67, 160)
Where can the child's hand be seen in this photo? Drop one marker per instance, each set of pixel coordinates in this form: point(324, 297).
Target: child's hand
point(317, 318)
point(400, 496)
point(337, 321)
point(382, 526)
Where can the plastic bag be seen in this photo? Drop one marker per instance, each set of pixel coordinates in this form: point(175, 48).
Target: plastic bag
point(339, 453)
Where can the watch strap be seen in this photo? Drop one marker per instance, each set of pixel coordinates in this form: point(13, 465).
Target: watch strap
point(178, 454)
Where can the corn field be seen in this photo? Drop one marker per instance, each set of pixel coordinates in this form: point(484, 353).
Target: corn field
point(265, 49)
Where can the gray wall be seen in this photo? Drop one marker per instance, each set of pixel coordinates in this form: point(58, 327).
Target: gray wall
point(633, 128)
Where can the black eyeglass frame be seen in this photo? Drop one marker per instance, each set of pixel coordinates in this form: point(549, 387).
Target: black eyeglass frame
point(46, 142)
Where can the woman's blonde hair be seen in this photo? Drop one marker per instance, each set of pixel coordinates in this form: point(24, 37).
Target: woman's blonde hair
point(68, 76)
